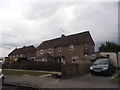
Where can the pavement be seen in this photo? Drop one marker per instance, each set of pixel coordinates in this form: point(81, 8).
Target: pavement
point(87, 81)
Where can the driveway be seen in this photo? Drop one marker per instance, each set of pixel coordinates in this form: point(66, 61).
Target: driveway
point(87, 81)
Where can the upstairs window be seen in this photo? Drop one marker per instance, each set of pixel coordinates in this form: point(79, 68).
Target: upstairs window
point(41, 51)
point(50, 50)
point(71, 47)
point(59, 49)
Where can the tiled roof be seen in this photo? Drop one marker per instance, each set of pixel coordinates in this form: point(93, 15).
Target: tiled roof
point(75, 39)
point(23, 50)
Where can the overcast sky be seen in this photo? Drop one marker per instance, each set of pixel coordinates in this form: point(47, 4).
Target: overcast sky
point(29, 22)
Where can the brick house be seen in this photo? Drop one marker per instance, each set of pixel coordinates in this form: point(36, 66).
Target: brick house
point(70, 48)
point(28, 52)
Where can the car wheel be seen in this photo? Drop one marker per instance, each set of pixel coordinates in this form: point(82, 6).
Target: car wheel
point(110, 73)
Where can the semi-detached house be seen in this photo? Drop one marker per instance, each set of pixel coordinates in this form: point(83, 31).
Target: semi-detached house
point(28, 52)
point(71, 48)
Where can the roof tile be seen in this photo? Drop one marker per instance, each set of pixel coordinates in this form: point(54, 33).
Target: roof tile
point(23, 50)
point(75, 39)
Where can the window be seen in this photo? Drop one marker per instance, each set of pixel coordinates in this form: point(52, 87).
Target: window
point(21, 55)
point(93, 55)
point(62, 60)
point(43, 60)
point(71, 47)
point(41, 51)
point(74, 58)
point(59, 49)
point(50, 51)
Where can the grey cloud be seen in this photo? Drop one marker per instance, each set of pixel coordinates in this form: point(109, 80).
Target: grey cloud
point(119, 22)
point(9, 45)
point(40, 10)
point(43, 20)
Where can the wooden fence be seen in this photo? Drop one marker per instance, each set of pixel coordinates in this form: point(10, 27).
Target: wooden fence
point(76, 68)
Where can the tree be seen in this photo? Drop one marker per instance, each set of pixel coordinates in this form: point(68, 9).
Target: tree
point(109, 47)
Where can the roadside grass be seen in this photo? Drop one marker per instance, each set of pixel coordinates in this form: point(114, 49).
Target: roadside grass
point(116, 79)
point(21, 73)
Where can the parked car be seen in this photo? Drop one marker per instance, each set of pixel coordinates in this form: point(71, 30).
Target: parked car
point(103, 66)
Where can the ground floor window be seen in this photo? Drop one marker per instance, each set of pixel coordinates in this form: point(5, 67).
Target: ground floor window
point(74, 59)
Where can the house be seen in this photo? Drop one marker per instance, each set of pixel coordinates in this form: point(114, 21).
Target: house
point(28, 52)
point(69, 48)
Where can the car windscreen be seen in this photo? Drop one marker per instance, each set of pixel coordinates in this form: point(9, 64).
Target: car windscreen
point(101, 62)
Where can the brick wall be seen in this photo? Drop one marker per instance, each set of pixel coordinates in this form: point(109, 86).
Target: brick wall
point(88, 48)
point(65, 51)
point(45, 51)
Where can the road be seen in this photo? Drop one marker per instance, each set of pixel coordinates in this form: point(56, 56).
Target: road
point(9, 87)
point(86, 81)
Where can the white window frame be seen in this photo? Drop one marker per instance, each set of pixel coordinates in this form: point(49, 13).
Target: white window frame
point(71, 47)
point(59, 49)
point(43, 60)
point(74, 59)
point(41, 51)
point(49, 50)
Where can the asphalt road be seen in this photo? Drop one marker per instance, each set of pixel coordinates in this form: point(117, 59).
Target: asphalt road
point(9, 87)
point(86, 81)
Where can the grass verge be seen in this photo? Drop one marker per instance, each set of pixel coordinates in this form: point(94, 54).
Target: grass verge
point(116, 79)
point(21, 73)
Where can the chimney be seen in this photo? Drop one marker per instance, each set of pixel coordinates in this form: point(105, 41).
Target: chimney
point(62, 35)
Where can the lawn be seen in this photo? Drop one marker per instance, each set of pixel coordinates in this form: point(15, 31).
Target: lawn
point(116, 79)
point(20, 73)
